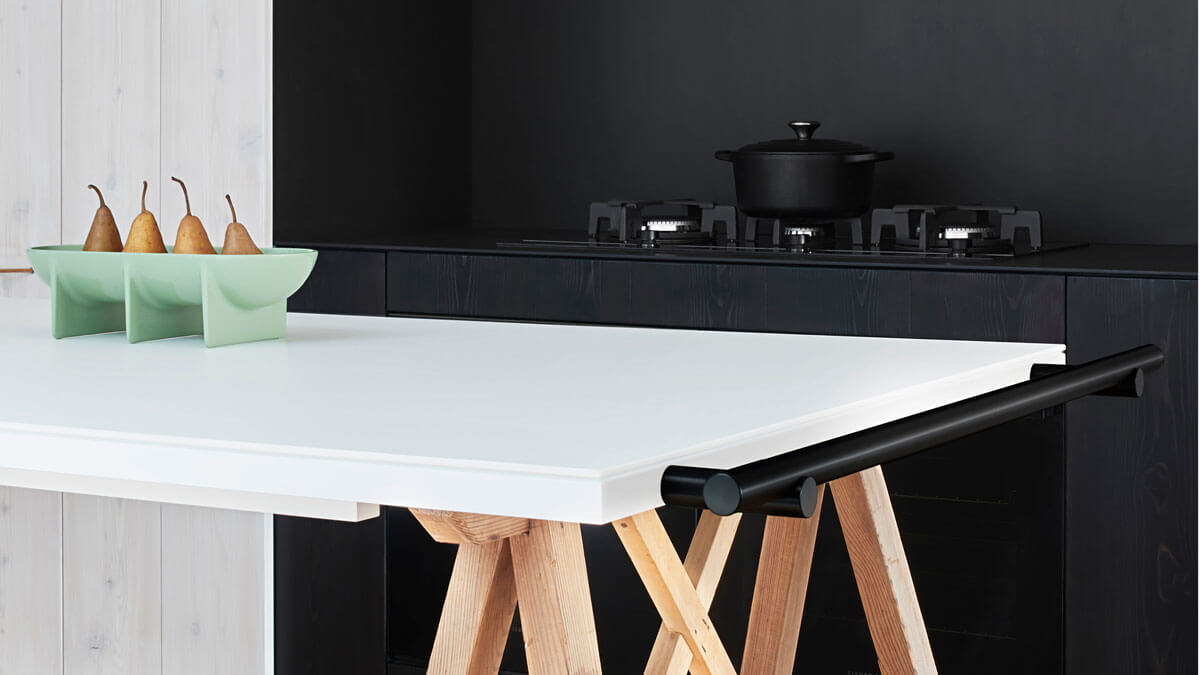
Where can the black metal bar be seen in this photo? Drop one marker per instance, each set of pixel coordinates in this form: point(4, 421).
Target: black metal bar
point(777, 485)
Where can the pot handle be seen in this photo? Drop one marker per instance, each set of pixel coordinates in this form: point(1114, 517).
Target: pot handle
point(724, 155)
point(804, 130)
point(869, 157)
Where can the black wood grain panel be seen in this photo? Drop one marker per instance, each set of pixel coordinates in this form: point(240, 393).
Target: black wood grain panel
point(1131, 481)
point(329, 597)
point(343, 282)
point(501, 287)
point(1014, 307)
point(683, 295)
point(831, 301)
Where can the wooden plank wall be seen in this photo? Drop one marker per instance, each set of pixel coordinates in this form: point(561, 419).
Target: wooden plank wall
point(95, 585)
point(215, 84)
point(112, 585)
point(30, 582)
point(114, 92)
point(29, 138)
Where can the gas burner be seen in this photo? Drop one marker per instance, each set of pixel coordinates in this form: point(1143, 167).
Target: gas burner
point(965, 232)
point(956, 230)
point(649, 223)
point(670, 225)
point(805, 236)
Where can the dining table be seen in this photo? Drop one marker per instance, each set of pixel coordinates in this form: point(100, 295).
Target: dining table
point(503, 438)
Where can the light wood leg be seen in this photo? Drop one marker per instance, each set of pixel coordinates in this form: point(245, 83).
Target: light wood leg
point(779, 591)
point(881, 570)
point(554, 599)
point(704, 563)
point(672, 591)
point(478, 611)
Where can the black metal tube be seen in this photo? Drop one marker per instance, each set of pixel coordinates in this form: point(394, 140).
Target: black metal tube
point(774, 481)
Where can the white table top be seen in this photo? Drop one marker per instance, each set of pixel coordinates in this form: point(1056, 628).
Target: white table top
point(570, 423)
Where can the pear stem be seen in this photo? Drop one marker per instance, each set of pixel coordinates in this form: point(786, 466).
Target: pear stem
point(144, 186)
point(186, 203)
point(231, 211)
point(98, 194)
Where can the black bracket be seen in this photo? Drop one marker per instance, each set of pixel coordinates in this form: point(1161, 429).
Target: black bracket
point(786, 484)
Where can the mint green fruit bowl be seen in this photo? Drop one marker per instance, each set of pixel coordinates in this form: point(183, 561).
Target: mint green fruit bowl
point(150, 296)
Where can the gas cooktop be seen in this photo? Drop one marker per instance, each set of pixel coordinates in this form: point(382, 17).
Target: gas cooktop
point(903, 231)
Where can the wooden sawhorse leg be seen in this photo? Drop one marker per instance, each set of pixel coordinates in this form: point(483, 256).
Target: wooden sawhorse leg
point(880, 570)
point(504, 563)
point(683, 611)
point(538, 566)
point(704, 563)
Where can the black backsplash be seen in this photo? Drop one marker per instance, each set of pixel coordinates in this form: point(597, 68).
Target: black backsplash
point(1083, 109)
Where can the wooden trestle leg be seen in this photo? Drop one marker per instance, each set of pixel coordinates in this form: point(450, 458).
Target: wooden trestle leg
point(478, 611)
point(663, 574)
point(554, 599)
point(880, 570)
point(704, 563)
point(505, 563)
point(779, 590)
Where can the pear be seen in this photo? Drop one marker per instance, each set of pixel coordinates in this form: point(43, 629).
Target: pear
point(104, 235)
point(191, 237)
point(237, 239)
point(144, 236)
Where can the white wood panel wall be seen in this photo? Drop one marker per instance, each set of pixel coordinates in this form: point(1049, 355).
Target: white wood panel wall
point(113, 92)
point(101, 586)
point(214, 113)
point(110, 111)
point(29, 137)
point(30, 582)
point(112, 584)
point(204, 632)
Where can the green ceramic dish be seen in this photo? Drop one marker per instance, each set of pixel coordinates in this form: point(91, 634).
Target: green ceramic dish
point(228, 299)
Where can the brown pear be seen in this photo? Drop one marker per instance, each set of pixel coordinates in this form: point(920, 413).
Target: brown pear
point(104, 235)
point(144, 236)
point(237, 239)
point(191, 237)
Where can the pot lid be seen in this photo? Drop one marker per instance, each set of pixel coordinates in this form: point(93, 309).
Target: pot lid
point(804, 143)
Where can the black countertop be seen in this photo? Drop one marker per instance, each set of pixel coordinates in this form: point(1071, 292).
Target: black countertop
point(1172, 262)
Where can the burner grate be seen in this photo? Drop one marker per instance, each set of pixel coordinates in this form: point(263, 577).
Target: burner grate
point(957, 229)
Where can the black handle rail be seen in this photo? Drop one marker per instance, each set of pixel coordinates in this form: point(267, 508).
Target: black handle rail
point(786, 484)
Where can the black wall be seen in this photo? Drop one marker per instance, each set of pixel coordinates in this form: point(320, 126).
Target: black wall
point(371, 118)
point(1084, 109)
point(400, 116)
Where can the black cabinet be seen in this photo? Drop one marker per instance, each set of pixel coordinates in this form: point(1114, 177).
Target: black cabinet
point(330, 581)
point(343, 282)
point(1131, 481)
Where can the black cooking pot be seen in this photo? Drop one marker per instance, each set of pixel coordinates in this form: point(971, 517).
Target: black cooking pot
point(803, 177)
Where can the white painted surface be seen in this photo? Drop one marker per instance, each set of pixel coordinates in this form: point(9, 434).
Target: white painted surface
point(215, 93)
point(213, 614)
point(110, 118)
point(29, 138)
point(112, 602)
point(288, 505)
point(570, 423)
point(30, 582)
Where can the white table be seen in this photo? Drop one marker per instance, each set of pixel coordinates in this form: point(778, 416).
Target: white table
point(535, 428)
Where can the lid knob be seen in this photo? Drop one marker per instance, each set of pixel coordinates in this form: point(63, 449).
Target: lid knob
point(804, 130)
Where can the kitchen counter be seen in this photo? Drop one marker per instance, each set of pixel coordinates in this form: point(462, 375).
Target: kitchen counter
point(1171, 262)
